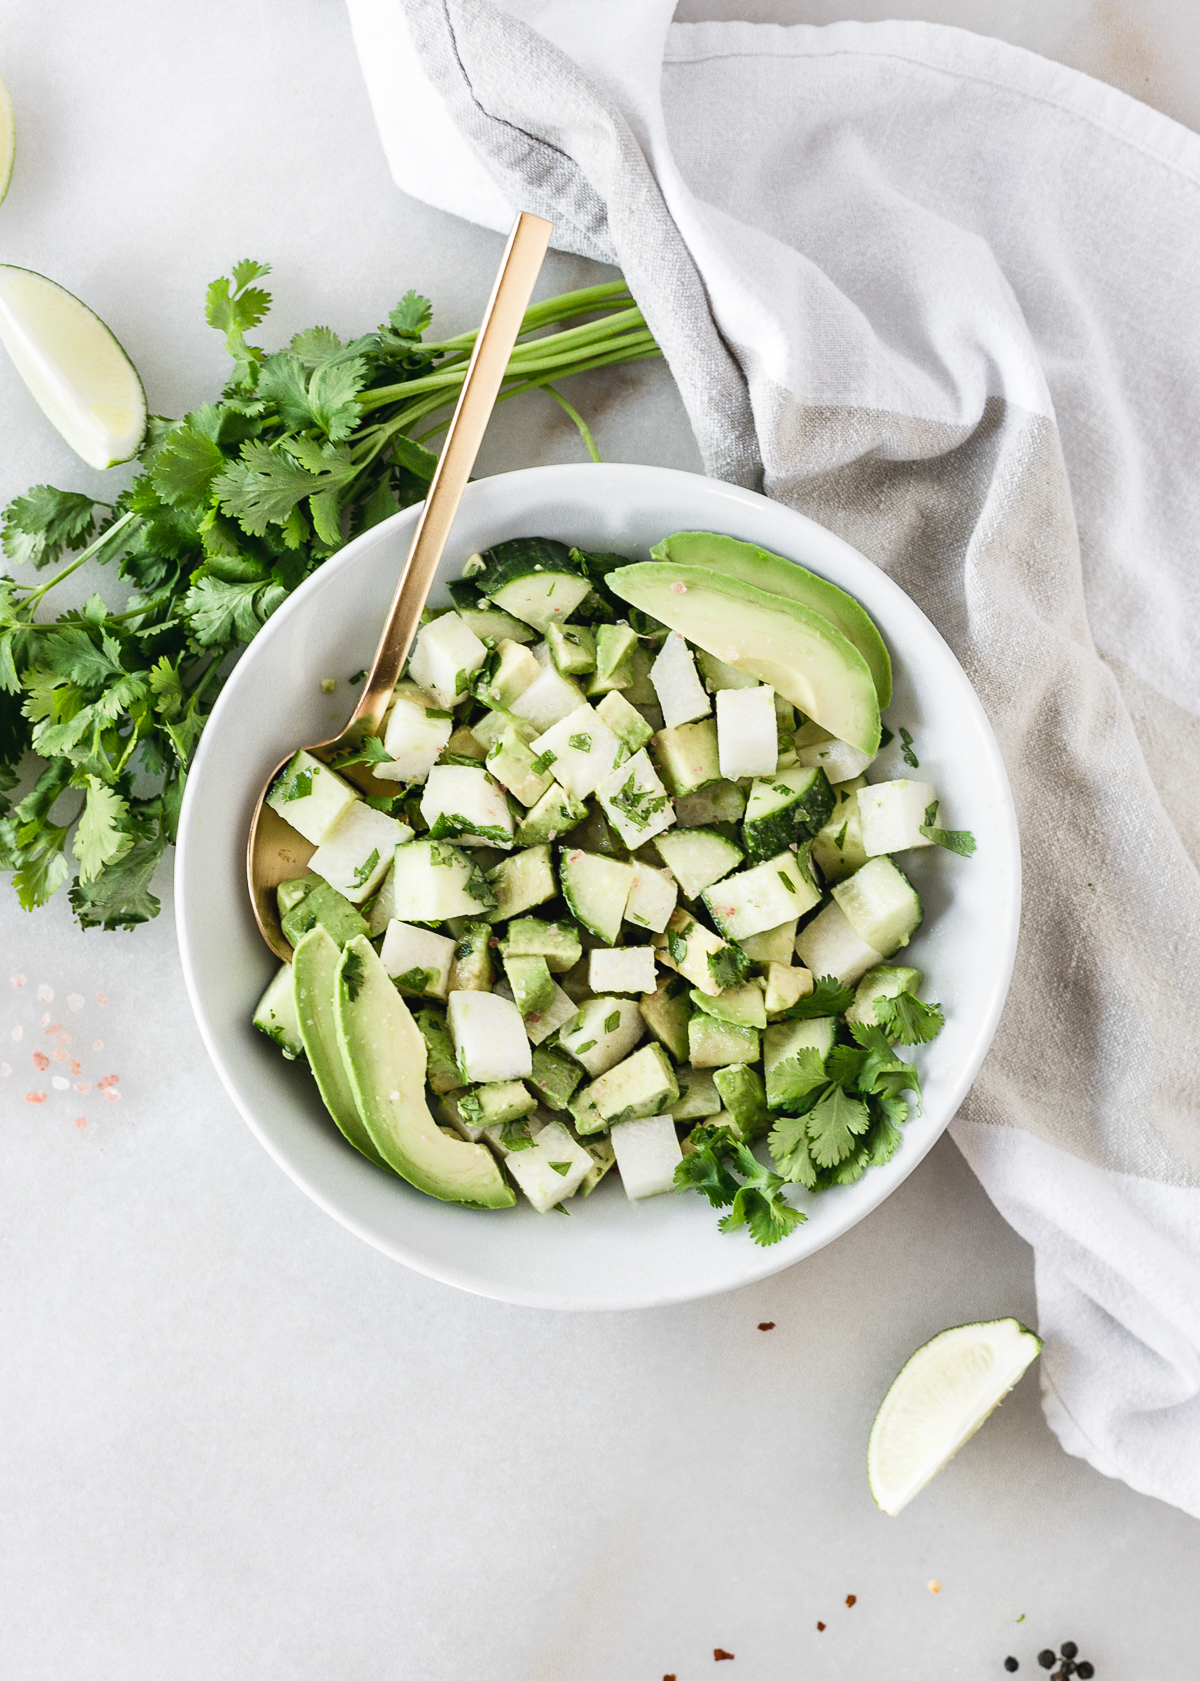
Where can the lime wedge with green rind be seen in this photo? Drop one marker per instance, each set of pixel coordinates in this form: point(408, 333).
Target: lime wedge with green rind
point(78, 374)
point(8, 140)
point(940, 1398)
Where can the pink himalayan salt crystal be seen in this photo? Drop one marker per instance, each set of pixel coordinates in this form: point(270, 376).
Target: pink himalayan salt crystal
point(108, 1080)
point(60, 1055)
point(40, 1062)
point(17, 1034)
point(83, 1087)
point(35, 1097)
point(64, 1038)
point(75, 1068)
point(5, 1070)
point(45, 994)
point(81, 1122)
point(52, 1027)
point(45, 1020)
point(110, 1096)
point(97, 1044)
point(75, 1001)
point(101, 999)
point(60, 1084)
point(18, 980)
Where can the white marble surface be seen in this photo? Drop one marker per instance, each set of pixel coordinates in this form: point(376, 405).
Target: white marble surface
point(236, 1441)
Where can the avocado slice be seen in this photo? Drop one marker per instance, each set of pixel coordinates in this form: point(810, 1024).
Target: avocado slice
point(385, 1059)
point(748, 564)
point(781, 642)
point(314, 976)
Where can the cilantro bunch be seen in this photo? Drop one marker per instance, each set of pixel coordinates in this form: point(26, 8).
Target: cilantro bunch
point(233, 507)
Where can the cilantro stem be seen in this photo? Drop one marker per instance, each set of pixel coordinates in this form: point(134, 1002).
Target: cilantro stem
point(584, 429)
point(34, 596)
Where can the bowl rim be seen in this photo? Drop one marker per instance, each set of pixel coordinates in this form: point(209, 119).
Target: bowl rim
point(875, 1187)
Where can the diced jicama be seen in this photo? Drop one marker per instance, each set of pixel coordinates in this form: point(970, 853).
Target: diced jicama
point(461, 802)
point(548, 698)
point(680, 692)
point(415, 736)
point(839, 761)
point(747, 738)
point(489, 1037)
point(828, 945)
point(652, 897)
point(417, 959)
point(647, 1154)
point(582, 750)
point(891, 815)
point(310, 796)
point(445, 655)
point(622, 969)
point(605, 1033)
point(635, 801)
point(355, 855)
point(552, 1168)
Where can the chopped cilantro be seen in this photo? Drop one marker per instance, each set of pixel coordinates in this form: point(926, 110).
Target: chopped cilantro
point(827, 998)
point(417, 980)
point(561, 1167)
point(755, 1201)
point(910, 758)
point(639, 805)
point(300, 786)
point(839, 840)
point(885, 737)
point(514, 1135)
point(581, 743)
point(786, 880)
point(542, 763)
point(366, 869)
point(352, 976)
point(961, 841)
point(728, 966)
point(676, 946)
point(358, 677)
point(611, 1023)
point(582, 1050)
point(908, 1020)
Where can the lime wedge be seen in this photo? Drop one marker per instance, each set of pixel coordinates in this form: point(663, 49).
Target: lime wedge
point(8, 140)
point(80, 377)
point(939, 1400)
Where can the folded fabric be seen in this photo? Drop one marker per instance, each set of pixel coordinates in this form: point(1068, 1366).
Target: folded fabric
point(940, 295)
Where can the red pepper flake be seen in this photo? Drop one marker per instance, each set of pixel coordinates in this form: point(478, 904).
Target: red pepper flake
point(820, 1628)
point(40, 1062)
point(668, 1678)
point(766, 1324)
point(851, 1599)
point(719, 1652)
point(35, 1097)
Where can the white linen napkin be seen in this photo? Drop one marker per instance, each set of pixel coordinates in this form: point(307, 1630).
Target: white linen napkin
point(939, 294)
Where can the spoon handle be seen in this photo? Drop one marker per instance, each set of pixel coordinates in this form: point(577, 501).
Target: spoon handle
point(515, 280)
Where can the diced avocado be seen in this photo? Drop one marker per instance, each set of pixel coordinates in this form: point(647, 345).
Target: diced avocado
point(742, 1005)
point(782, 642)
point(724, 802)
point(697, 858)
point(384, 1054)
point(615, 649)
point(498, 1104)
point(529, 978)
point(514, 764)
point(698, 1096)
point(786, 984)
point(557, 942)
point(881, 905)
point(715, 1044)
point(506, 674)
point(276, 1014)
point(624, 720)
point(326, 906)
point(596, 834)
point(595, 889)
point(441, 1069)
point(773, 945)
point(788, 1075)
point(473, 969)
point(789, 806)
point(745, 1097)
point(572, 648)
point(884, 981)
point(754, 900)
point(644, 1084)
point(554, 1077)
point(315, 969)
point(665, 1012)
point(838, 847)
point(432, 881)
point(553, 815)
point(289, 893)
point(766, 571)
point(603, 1033)
point(599, 1148)
point(687, 756)
point(640, 691)
point(464, 745)
point(521, 882)
point(687, 946)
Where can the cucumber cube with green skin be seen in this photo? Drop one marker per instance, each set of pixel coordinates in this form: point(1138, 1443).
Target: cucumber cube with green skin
point(884, 981)
point(829, 945)
point(687, 947)
point(624, 720)
point(787, 984)
point(723, 802)
point(644, 1084)
point(441, 1064)
point(548, 698)
point(414, 735)
point(461, 802)
point(687, 756)
point(572, 648)
point(511, 761)
point(697, 858)
point(418, 960)
point(742, 1005)
point(324, 905)
point(698, 1094)
point(647, 1153)
point(553, 1169)
point(473, 969)
point(582, 749)
point(665, 1012)
point(892, 814)
point(433, 881)
point(790, 806)
point(521, 882)
point(716, 1044)
point(357, 852)
point(680, 692)
point(555, 814)
point(652, 897)
point(289, 893)
point(533, 578)
point(557, 942)
point(622, 969)
point(554, 1078)
point(516, 668)
point(839, 761)
point(489, 1038)
point(773, 945)
point(747, 737)
point(635, 801)
point(599, 1148)
point(616, 648)
point(310, 796)
point(496, 1105)
point(445, 655)
point(837, 847)
point(277, 1016)
point(717, 675)
point(763, 897)
point(596, 834)
point(493, 627)
point(745, 1098)
point(881, 905)
point(596, 890)
point(786, 1066)
point(530, 981)
point(603, 1033)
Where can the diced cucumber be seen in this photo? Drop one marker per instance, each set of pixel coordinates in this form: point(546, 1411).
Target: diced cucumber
point(418, 960)
point(625, 721)
point(666, 1010)
point(554, 814)
point(493, 627)
point(310, 796)
point(554, 1077)
point(572, 648)
point(415, 736)
point(529, 978)
point(616, 650)
point(647, 1153)
point(432, 881)
point(355, 855)
point(698, 1095)
point(716, 1044)
point(582, 750)
point(596, 834)
point(324, 905)
point(884, 981)
point(786, 984)
point(680, 692)
point(557, 942)
point(837, 759)
point(787, 1077)
point(692, 950)
point(445, 655)
point(521, 882)
point(489, 1037)
point(742, 1005)
point(635, 801)
point(837, 847)
point(461, 802)
point(697, 858)
point(881, 905)
point(754, 900)
point(534, 579)
point(891, 815)
point(747, 739)
point(745, 1098)
point(497, 1105)
point(510, 760)
point(622, 969)
point(548, 698)
point(441, 1065)
point(723, 802)
point(596, 890)
point(687, 757)
point(651, 898)
point(828, 945)
point(473, 969)
point(773, 945)
point(644, 1084)
point(790, 806)
point(604, 1033)
point(276, 1015)
point(289, 893)
point(553, 1169)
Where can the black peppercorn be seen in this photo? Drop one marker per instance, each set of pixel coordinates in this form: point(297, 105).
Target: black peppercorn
point(1046, 1659)
point(1068, 1666)
point(1011, 1665)
point(1069, 1649)
point(1085, 1670)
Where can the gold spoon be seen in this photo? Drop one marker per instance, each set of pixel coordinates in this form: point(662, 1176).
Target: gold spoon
point(276, 852)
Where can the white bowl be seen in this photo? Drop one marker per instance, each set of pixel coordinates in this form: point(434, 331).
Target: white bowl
point(610, 1253)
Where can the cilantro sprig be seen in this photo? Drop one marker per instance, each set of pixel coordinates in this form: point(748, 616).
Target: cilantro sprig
point(755, 1201)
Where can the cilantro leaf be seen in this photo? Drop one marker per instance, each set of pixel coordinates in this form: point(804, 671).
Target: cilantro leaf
point(120, 896)
point(45, 523)
point(909, 757)
point(961, 841)
point(788, 1144)
point(370, 751)
point(185, 465)
point(220, 612)
point(833, 1125)
point(906, 1019)
point(704, 1168)
point(759, 1204)
point(101, 838)
point(728, 966)
point(827, 998)
point(411, 315)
